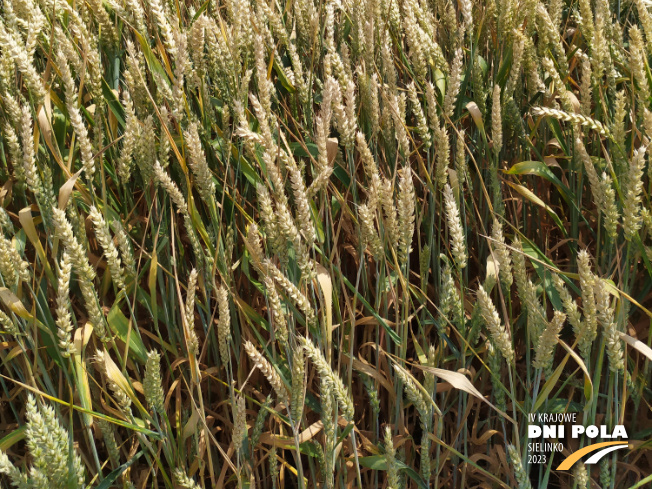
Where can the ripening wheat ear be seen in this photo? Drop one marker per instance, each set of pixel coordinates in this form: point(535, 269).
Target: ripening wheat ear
point(152, 383)
point(268, 370)
point(291, 290)
point(608, 323)
point(129, 140)
point(417, 110)
point(32, 177)
point(110, 251)
point(443, 154)
point(13, 145)
point(64, 324)
point(12, 266)
point(572, 117)
point(393, 479)
point(75, 117)
point(390, 220)
point(454, 82)
point(198, 164)
point(496, 120)
point(325, 372)
point(47, 441)
point(632, 221)
point(458, 242)
point(7, 468)
point(371, 169)
point(589, 327)
point(83, 269)
point(581, 476)
point(224, 323)
point(192, 342)
point(450, 305)
point(545, 348)
point(126, 250)
point(167, 35)
point(501, 253)
point(239, 423)
point(406, 214)
point(301, 202)
point(278, 314)
point(368, 234)
point(415, 396)
point(298, 385)
point(21, 59)
point(498, 332)
point(521, 474)
point(183, 480)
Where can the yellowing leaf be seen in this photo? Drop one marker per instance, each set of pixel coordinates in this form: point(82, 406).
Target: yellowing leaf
point(532, 197)
point(66, 190)
point(46, 130)
point(326, 284)
point(637, 344)
point(14, 303)
point(82, 337)
point(27, 221)
point(474, 110)
point(331, 149)
point(115, 375)
point(461, 382)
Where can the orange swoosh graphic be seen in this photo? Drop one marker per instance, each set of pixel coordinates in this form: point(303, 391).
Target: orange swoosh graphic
point(575, 456)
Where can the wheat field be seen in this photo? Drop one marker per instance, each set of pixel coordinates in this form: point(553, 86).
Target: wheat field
point(332, 244)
